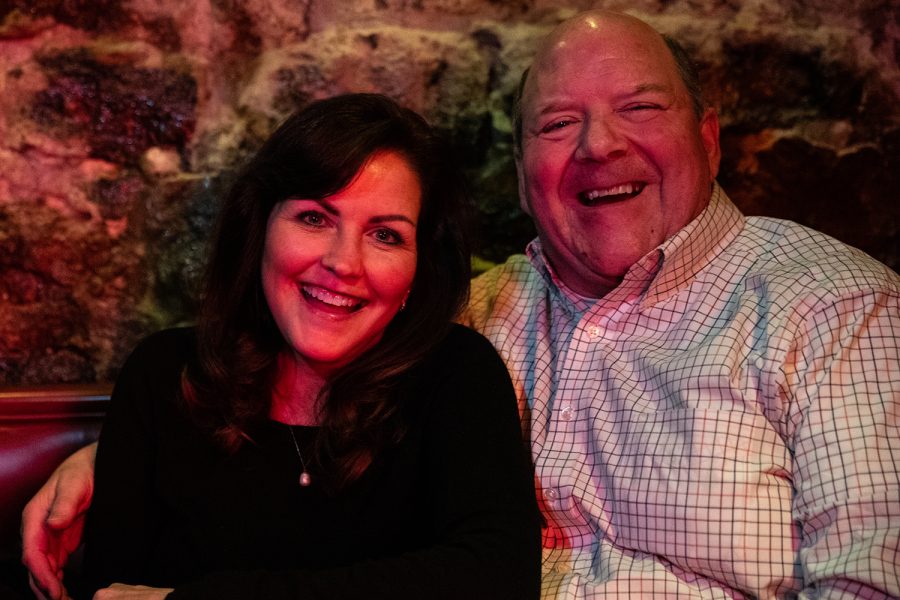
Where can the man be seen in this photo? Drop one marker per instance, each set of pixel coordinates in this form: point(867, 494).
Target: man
point(711, 400)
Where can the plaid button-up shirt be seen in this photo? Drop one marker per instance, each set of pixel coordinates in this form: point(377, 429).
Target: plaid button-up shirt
point(723, 424)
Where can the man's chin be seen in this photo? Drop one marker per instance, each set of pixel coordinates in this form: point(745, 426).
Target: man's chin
point(592, 282)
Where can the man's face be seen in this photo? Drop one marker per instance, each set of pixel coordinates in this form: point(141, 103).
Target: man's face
point(614, 159)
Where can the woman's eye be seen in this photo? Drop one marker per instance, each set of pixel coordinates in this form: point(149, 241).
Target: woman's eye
point(388, 236)
point(312, 218)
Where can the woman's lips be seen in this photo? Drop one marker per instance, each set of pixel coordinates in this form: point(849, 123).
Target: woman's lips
point(330, 299)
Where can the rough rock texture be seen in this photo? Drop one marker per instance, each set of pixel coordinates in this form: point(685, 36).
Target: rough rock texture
point(121, 121)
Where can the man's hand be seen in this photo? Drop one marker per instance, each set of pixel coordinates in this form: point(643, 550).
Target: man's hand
point(53, 520)
point(120, 591)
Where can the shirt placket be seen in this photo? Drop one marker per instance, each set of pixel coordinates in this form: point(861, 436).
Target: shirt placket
point(566, 463)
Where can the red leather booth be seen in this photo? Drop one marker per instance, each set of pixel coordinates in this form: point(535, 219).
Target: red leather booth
point(39, 427)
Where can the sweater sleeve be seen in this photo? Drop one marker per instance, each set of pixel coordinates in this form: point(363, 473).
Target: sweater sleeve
point(124, 515)
point(481, 495)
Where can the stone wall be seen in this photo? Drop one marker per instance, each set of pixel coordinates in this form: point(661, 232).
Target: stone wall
point(121, 120)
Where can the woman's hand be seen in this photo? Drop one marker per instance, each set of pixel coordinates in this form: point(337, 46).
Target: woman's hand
point(53, 520)
point(120, 591)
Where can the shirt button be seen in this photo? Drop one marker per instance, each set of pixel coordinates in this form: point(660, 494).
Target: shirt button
point(550, 495)
point(568, 412)
point(594, 331)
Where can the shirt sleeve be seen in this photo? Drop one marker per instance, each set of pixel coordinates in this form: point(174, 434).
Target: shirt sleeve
point(846, 442)
point(484, 510)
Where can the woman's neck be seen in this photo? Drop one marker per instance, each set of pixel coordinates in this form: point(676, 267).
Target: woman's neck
point(296, 392)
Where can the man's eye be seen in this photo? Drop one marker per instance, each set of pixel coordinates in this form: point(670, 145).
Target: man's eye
point(643, 110)
point(556, 125)
point(640, 112)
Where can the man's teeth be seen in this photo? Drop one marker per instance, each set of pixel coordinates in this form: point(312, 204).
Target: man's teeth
point(625, 188)
point(329, 298)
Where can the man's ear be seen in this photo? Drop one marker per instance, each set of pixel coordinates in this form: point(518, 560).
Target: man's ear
point(709, 134)
point(520, 178)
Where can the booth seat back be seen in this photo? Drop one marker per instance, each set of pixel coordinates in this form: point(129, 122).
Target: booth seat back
point(39, 428)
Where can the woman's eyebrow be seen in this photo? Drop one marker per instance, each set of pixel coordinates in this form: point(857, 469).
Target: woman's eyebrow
point(386, 218)
point(327, 206)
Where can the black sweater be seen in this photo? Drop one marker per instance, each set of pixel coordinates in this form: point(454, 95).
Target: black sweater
point(449, 513)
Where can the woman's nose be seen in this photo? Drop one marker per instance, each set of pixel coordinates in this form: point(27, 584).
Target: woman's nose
point(343, 256)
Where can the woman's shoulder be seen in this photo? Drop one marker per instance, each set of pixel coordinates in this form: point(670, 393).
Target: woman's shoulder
point(150, 377)
point(170, 335)
point(464, 387)
point(465, 352)
point(462, 341)
point(164, 348)
point(173, 339)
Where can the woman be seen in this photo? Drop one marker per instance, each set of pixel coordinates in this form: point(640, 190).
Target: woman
point(324, 431)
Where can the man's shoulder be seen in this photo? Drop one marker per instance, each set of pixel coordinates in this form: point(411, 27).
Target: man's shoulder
point(503, 287)
point(513, 262)
point(789, 255)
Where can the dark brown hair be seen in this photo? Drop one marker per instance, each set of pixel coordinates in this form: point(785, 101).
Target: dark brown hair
point(314, 154)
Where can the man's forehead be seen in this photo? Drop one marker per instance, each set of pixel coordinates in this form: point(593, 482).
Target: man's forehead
point(627, 56)
point(612, 76)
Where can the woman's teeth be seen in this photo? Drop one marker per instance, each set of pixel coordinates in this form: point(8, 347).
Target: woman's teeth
point(330, 298)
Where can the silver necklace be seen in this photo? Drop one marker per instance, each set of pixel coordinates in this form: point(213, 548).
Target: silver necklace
point(305, 479)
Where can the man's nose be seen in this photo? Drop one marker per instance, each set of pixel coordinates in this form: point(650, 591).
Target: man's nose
point(600, 139)
point(343, 257)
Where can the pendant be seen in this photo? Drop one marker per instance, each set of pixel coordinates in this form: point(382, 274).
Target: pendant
point(305, 479)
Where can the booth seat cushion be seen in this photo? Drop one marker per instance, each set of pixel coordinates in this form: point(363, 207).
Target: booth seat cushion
point(39, 427)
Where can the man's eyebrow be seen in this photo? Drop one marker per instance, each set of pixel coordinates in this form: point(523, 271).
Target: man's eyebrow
point(554, 105)
point(651, 87)
point(551, 107)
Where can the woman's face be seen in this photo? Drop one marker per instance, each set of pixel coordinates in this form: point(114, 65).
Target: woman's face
point(335, 271)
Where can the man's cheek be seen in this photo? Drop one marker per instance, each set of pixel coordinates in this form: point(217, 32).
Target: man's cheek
point(543, 176)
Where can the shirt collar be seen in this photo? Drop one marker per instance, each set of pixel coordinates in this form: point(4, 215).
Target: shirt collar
point(694, 246)
point(667, 268)
point(573, 302)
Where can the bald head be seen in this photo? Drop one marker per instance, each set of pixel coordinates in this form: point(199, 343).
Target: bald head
point(592, 22)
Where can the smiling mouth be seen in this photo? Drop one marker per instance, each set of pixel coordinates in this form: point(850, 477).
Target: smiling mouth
point(331, 300)
point(616, 193)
